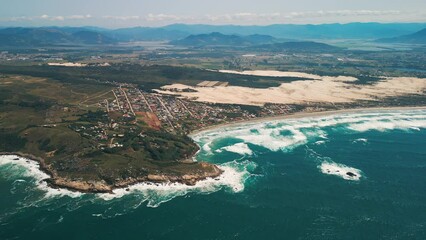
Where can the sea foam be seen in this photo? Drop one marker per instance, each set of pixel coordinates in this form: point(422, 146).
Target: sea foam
point(278, 135)
point(13, 167)
point(340, 170)
point(287, 134)
point(239, 148)
point(232, 179)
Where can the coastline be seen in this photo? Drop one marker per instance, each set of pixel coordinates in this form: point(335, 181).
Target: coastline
point(301, 115)
point(190, 179)
point(56, 182)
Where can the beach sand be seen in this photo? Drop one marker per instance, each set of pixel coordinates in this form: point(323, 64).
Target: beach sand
point(302, 115)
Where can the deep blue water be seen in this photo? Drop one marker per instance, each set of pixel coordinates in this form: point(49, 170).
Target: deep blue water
point(284, 180)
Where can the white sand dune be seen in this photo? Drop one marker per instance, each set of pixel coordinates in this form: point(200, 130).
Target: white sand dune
point(68, 64)
point(319, 89)
point(273, 73)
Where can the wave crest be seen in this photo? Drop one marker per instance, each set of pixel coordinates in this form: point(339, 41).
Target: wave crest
point(287, 134)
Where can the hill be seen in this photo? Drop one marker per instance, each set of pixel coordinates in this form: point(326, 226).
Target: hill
point(199, 35)
point(90, 37)
point(416, 38)
point(219, 39)
point(308, 31)
point(296, 46)
point(145, 34)
point(51, 36)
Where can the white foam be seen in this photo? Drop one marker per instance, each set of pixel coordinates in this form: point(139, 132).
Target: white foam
point(303, 130)
point(232, 179)
point(240, 148)
point(206, 147)
point(360, 140)
point(276, 135)
point(384, 125)
point(340, 170)
point(23, 167)
point(321, 142)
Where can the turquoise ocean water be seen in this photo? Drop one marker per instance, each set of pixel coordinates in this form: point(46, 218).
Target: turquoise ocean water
point(344, 176)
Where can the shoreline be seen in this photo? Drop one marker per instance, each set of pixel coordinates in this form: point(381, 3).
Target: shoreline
point(297, 115)
point(56, 182)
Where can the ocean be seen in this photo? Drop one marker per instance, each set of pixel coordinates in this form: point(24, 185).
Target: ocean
point(358, 175)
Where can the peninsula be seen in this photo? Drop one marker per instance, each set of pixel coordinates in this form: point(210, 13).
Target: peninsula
point(96, 135)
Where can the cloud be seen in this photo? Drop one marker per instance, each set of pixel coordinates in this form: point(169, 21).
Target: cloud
point(301, 17)
point(87, 16)
point(122, 18)
point(153, 18)
point(50, 18)
point(165, 17)
point(246, 16)
point(341, 13)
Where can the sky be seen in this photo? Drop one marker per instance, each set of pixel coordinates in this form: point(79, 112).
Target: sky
point(129, 13)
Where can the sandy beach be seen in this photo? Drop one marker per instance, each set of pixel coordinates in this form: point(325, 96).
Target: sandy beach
point(302, 115)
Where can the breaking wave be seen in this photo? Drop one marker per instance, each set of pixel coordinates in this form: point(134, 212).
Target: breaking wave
point(247, 140)
point(287, 134)
point(340, 170)
point(26, 175)
point(232, 179)
point(14, 168)
point(239, 148)
point(327, 166)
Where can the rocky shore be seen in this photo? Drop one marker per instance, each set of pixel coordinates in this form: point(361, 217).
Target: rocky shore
point(56, 181)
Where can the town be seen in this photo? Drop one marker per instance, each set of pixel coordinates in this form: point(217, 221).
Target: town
point(177, 115)
point(132, 111)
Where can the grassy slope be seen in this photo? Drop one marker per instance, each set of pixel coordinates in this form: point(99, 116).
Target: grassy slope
point(147, 77)
point(26, 103)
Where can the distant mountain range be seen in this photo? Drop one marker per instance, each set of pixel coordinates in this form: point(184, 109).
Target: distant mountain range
point(309, 31)
point(219, 39)
point(145, 34)
point(51, 36)
point(416, 38)
point(252, 42)
point(183, 32)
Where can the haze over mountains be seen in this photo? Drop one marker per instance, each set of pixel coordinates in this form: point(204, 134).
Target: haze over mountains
point(301, 46)
point(321, 31)
point(219, 39)
point(197, 35)
point(416, 38)
point(51, 36)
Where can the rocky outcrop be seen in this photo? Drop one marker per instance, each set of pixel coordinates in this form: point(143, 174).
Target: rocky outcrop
point(81, 186)
point(207, 170)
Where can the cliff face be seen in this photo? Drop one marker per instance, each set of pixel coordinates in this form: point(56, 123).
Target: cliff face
point(208, 171)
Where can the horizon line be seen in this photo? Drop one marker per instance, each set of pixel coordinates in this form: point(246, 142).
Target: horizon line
point(206, 24)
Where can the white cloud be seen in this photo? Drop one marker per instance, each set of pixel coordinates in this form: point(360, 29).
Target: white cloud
point(123, 18)
point(285, 17)
point(57, 18)
point(341, 13)
point(87, 16)
point(244, 18)
point(50, 18)
point(166, 17)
